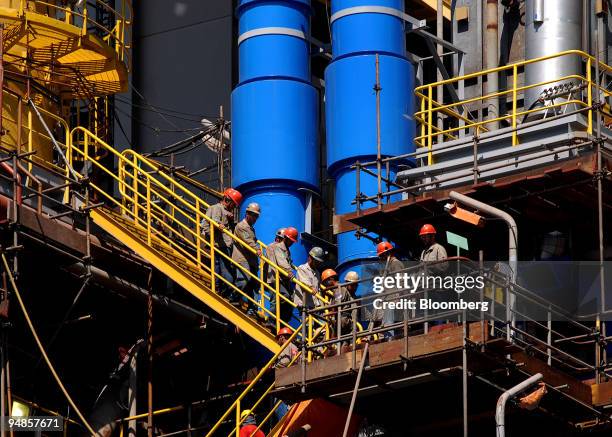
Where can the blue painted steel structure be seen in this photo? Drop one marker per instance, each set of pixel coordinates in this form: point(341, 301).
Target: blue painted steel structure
point(360, 30)
point(275, 114)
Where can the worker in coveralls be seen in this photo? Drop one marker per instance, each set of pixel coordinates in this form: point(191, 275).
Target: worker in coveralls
point(246, 258)
point(432, 251)
point(389, 266)
point(222, 213)
point(308, 274)
point(279, 254)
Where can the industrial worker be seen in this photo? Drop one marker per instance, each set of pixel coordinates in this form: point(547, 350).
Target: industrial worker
point(432, 251)
point(280, 255)
point(280, 233)
point(287, 357)
point(222, 213)
point(290, 350)
point(245, 258)
point(389, 266)
point(330, 285)
point(308, 274)
point(342, 293)
point(249, 425)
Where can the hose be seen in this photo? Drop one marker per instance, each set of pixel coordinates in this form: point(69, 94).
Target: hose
point(42, 349)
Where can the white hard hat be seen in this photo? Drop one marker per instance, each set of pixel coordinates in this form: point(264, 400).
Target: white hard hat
point(351, 276)
point(254, 208)
point(280, 232)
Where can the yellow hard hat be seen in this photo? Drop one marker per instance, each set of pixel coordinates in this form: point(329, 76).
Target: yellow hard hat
point(245, 414)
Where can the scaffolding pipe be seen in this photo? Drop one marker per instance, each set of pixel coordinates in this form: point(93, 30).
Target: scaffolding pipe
point(491, 56)
point(500, 410)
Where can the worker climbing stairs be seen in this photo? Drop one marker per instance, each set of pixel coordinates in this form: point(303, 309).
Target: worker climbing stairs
point(160, 219)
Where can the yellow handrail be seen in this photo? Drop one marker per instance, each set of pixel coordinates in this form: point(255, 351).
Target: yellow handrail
point(429, 108)
point(170, 213)
point(236, 405)
point(118, 37)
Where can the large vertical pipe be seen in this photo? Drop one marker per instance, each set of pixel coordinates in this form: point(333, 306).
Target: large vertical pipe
point(363, 30)
point(491, 58)
point(275, 114)
point(551, 26)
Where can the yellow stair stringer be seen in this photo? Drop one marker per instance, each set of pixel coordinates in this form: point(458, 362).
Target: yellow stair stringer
point(196, 288)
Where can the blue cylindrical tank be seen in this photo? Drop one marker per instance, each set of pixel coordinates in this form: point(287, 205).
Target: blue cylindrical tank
point(358, 35)
point(275, 115)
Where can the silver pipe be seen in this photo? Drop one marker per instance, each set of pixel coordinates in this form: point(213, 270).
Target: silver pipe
point(551, 27)
point(495, 212)
point(491, 59)
point(512, 247)
point(500, 410)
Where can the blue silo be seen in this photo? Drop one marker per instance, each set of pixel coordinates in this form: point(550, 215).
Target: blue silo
point(362, 29)
point(275, 114)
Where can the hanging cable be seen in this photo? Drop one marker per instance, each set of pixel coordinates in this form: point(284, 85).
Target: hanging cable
point(41, 348)
point(169, 112)
point(155, 128)
point(182, 144)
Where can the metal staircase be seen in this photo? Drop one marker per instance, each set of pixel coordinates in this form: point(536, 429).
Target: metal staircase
point(160, 219)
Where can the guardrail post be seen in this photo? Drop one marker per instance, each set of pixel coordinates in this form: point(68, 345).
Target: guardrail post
point(304, 343)
point(135, 190)
point(149, 211)
point(68, 15)
point(84, 29)
point(310, 322)
point(589, 97)
point(514, 104)
point(238, 418)
point(212, 257)
point(277, 299)
point(262, 285)
point(429, 125)
point(423, 123)
point(198, 233)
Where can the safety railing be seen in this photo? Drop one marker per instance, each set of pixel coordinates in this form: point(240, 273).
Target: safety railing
point(457, 119)
point(569, 95)
point(515, 313)
point(234, 412)
point(168, 213)
point(118, 36)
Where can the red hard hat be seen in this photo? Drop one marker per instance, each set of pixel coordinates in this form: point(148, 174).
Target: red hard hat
point(328, 273)
point(234, 195)
point(427, 229)
point(284, 331)
point(291, 233)
point(383, 247)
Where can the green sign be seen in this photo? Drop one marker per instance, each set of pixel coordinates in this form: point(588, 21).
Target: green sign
point(457, 240)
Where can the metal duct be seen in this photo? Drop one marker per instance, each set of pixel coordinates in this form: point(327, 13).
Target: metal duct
point(275, 114)
point(551, 26)
point(361, 30)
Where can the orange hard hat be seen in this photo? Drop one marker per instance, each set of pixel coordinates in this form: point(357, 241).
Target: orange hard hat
point(328, 273)
point(284, 331)
point(427, 229)
point(291, 233)
point(234, 195)
point(383, 247)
